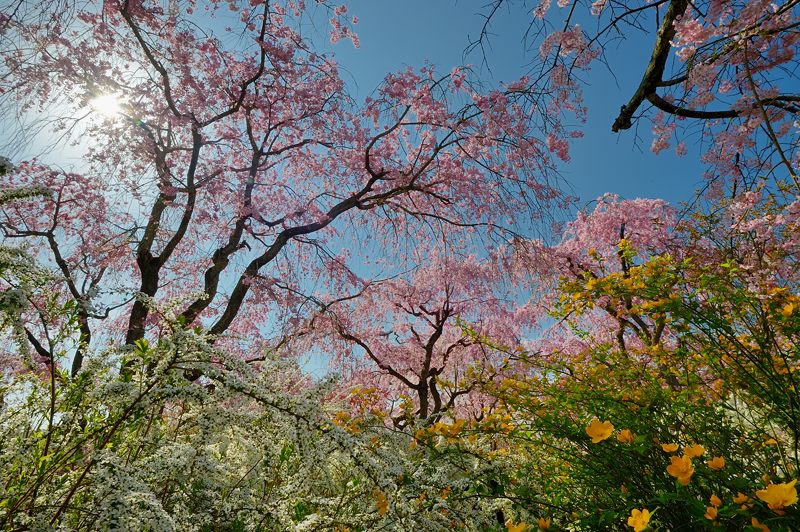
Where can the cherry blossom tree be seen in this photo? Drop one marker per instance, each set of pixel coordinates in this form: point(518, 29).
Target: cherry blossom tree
point(719, 73)
point(426, 342)
point(224, 163)
point(596, 274)
point(232, 209)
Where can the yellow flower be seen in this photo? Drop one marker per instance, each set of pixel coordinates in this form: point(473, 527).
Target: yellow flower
point(778, 496)
point(681, 468)
point(521, 527)
point(741, 498)
point(599, 431)
point(380, 502)
point(787, 310)
point(449, 431)
point(716, 463)
point(669, 447)
point(625, 436)
point(693, 451)
point(544, 523)
point(639, 519)
point(711, 513)
point(758, 525)
point(421, 498)
point(771, 441)
point(715, 501)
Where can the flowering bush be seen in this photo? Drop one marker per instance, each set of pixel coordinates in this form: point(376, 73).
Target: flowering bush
point(689, 357)
point(246, 446)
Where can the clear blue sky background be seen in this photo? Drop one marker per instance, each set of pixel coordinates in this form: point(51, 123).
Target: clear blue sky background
point(395, 34)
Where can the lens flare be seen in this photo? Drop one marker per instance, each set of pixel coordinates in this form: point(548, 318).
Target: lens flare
point(108, 105)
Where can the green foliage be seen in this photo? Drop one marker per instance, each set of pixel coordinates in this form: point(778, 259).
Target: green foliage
point(704, 358)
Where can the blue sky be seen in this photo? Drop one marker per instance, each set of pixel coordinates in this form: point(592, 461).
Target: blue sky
point(395, 34)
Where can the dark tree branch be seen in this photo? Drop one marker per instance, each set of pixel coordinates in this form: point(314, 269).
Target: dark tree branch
point(665, 106)
point(654, 73)
point(38, 347)
point(150, 265)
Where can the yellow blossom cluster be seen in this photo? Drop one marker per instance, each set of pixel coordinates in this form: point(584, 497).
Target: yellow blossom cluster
point(450, 431)
point(352, 424)
point(681, 467)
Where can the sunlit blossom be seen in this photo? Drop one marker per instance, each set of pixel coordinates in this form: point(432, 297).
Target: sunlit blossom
point(778, 496)
point(599, 431)
point(639, 519)
point(381, 503)
point(519, 527)
point(716, 463)
point(694, 451)
point(681, 468)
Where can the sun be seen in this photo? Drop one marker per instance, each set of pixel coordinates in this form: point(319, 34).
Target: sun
point(108, 105)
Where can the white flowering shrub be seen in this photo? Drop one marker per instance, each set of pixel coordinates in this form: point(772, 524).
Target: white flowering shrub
point(241, 447)
point(178, 435)
point(20, 277)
